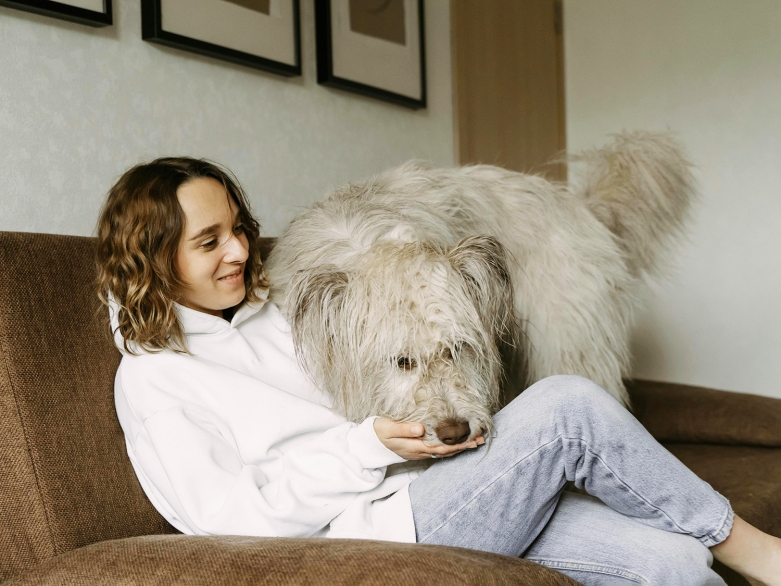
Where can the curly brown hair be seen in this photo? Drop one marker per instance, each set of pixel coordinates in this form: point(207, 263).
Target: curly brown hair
point(139, 230)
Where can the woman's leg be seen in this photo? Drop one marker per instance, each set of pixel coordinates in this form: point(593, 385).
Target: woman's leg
point(752, 553)
point(593, 544)
point(561, 428)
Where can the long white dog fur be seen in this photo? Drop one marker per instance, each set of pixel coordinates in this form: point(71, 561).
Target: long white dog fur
point(436, 295)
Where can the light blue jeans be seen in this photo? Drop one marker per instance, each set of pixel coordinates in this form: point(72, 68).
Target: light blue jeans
point(654, 520)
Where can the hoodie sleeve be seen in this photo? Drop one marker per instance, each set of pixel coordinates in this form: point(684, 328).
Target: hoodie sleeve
point(209, 490)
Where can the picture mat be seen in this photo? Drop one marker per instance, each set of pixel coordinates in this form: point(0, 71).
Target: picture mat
point(384, 19)
point(257, 5)
point(94, 5)
point(235, 27)
point(375, 62)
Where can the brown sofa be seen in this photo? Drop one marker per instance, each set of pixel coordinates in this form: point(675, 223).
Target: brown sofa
point(72, 512)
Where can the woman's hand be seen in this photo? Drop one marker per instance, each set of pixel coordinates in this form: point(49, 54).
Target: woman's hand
point(404, 440)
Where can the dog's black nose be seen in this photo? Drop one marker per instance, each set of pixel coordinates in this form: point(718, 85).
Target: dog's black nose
point(453, 432)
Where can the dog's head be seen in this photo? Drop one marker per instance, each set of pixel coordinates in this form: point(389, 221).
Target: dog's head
point(411, 332)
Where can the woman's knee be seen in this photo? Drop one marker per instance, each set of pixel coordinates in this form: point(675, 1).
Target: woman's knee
point(560, 404)
point(566, 392)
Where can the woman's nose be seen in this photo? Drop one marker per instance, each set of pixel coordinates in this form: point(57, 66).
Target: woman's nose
point(236, 250)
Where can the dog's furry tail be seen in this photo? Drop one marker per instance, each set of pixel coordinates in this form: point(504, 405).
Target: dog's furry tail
point(641, 187)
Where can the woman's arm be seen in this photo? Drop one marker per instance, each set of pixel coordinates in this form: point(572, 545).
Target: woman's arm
point(202, 478)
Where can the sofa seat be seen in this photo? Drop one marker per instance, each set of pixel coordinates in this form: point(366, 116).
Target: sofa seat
point(179, 559)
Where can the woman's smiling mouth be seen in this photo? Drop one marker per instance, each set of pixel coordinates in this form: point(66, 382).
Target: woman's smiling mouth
point(233, 278)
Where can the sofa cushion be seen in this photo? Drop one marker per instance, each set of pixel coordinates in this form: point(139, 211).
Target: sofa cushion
point(65, 479)
point(253, 560)
point(683, 413)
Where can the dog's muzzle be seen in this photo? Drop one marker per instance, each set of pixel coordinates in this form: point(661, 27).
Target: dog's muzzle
point(452, 433)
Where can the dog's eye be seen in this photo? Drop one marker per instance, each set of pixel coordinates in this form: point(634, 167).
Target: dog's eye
point(406, 363)
point(451, 352)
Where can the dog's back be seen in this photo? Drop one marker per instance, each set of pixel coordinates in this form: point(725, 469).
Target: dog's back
point(576, 256)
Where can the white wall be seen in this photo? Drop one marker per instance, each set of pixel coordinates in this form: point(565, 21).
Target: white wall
point(79, 105)
point(711, 71)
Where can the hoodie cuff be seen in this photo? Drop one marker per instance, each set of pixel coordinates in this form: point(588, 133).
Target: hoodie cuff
point(363, 443)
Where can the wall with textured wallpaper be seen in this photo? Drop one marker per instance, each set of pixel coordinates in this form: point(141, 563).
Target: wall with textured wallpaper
point(79, 105)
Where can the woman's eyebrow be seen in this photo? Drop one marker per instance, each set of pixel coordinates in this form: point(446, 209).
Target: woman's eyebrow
point(208, 230)
point(211, 229)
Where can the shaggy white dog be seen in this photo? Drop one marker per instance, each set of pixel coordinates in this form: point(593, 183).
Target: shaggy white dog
point(436, 295)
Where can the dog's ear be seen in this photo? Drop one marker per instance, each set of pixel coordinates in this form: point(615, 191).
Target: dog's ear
point(482, 263)
point(314, 303)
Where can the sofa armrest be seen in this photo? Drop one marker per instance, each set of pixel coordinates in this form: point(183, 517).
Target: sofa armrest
point(229, 560)
point(681, 413)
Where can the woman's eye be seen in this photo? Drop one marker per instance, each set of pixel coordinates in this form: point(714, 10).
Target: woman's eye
point(238, 228)
point(406, 363)
point(209, 244)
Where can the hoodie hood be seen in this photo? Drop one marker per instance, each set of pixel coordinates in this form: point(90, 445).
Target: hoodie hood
point(194, 323)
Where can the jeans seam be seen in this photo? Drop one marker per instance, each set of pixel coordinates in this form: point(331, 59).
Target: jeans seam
point(629, 488)
point(701, 537)
point(588, 567)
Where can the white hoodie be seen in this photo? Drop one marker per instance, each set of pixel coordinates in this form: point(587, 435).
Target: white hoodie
point(236, 439)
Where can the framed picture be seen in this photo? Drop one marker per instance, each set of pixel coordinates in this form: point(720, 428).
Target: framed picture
point(373, 47)
point(263, 34)
point(90, 12)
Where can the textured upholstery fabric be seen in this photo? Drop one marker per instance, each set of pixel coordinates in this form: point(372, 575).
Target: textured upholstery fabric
point(65, 479)
point(682, 413)
point(243, 560)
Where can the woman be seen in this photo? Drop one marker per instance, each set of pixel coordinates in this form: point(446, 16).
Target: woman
point(228, 436)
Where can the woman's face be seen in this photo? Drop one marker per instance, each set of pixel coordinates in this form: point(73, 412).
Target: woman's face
point(213, 249)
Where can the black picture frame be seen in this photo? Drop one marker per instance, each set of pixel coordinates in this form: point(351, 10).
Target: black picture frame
point(65, 11)
point(152, 31)
point(325, 66)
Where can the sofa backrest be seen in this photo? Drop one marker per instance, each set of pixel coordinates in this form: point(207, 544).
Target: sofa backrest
point(65, 479)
